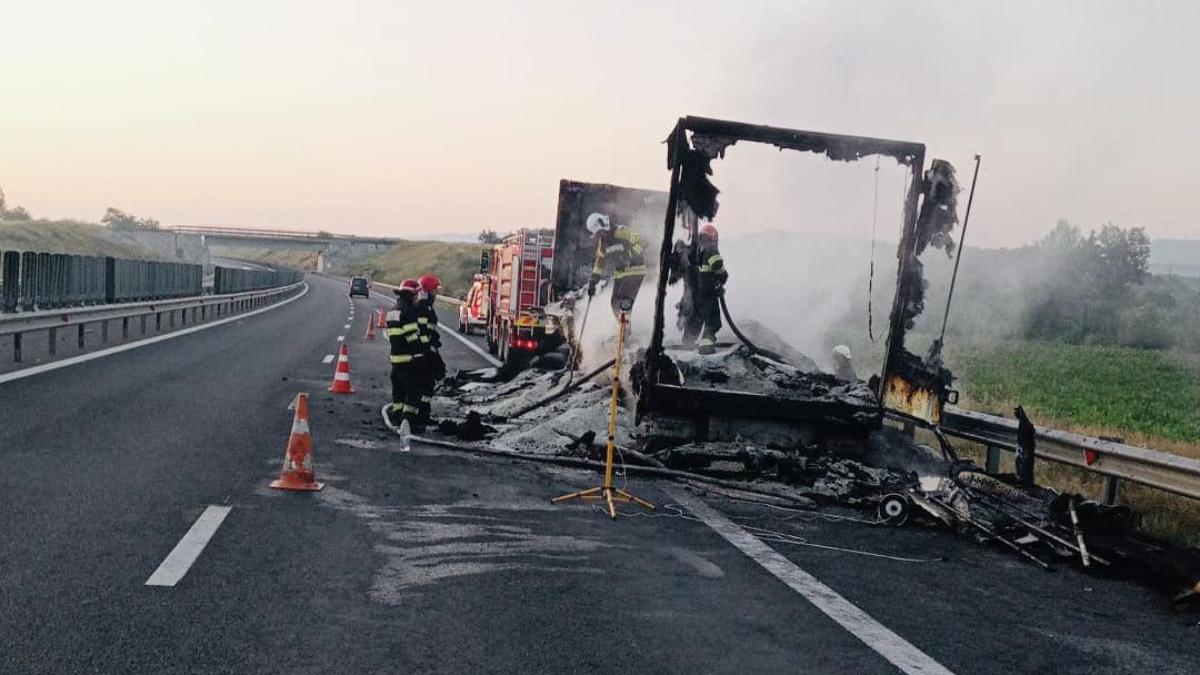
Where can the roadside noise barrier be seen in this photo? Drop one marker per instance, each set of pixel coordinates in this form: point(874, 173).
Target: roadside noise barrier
point(31, 281)
point(233, 280)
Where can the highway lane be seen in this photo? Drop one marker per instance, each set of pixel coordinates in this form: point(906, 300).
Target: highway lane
point(436, 561)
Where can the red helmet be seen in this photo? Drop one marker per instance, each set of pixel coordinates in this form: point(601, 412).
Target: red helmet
point(709, 230)
point(430, 283)
point(408, 286)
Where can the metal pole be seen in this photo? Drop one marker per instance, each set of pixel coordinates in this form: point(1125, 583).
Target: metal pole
point(961, 242)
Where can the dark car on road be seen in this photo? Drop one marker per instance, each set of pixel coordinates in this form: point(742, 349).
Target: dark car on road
point(360, 286)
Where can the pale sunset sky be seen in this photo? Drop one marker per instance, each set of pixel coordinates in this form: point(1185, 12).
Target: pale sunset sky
point(408, 119)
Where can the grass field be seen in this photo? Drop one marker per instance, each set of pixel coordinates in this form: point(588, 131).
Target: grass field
point(66, 236)
point(455, 263)
point(1147, 398)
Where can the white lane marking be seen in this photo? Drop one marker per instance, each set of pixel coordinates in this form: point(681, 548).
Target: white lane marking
point(875, 635)
point(185, 553)
point(328, 358)
point(341, 338)
point(346, 326)
point(470, 345)
point(82, 358)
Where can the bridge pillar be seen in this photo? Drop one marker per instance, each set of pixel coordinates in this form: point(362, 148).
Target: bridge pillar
point(321, 261)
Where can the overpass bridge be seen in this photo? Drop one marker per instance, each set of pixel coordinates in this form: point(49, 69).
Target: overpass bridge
point(322, 242)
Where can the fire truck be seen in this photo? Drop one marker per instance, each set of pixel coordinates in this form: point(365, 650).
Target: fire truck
point(517, 272)
point(473, 313)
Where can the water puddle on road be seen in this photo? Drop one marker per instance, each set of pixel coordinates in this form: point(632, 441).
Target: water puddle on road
point(429, 543)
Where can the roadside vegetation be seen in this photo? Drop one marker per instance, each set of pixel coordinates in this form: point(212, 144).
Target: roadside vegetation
point(68, 236)
point(455, 263)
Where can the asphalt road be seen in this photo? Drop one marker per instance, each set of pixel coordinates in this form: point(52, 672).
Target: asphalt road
point(437, 561)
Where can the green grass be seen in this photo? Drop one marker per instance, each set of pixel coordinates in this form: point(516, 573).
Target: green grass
point(454, 263)
point(67, 236)
point(1146, 393)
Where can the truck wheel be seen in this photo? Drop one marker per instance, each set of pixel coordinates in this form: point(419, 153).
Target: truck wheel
point(462, 327)
point(491, 342)
point(504, 344)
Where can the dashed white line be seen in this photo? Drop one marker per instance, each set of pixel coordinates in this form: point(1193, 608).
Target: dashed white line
point(875, 635)
point(346, 326)
point(185, 553)
point(328, 358)
point(341, 338)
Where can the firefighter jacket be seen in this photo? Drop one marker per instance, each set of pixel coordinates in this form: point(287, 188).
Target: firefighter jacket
point(427, 319)
point(711, 267)
point(404, 334)
point(622, 253)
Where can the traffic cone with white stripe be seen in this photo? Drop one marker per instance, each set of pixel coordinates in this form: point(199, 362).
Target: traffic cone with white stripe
point(341, 376)
point(382, 319)
point(371, 326)
point(298, 473)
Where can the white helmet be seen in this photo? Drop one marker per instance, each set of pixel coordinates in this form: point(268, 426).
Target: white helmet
point(597, 222)
point(842, 351)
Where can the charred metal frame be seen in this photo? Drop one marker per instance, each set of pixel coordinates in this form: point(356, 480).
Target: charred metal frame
point(656, 396)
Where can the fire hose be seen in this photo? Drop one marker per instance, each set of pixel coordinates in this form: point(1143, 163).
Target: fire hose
point(741, 336)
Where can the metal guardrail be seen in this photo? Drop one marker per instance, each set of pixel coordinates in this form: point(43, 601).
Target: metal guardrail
point(201, 307)
point(1114, 460)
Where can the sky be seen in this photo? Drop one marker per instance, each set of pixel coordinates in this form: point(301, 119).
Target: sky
point(408, 119)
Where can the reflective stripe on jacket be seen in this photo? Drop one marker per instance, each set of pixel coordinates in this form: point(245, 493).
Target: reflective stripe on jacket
point(624, 254)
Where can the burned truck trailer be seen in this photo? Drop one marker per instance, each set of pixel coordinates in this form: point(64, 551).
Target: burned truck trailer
point(675, 400)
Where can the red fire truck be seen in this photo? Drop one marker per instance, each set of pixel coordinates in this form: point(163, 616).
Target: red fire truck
point(518, 277)
point(473, 313)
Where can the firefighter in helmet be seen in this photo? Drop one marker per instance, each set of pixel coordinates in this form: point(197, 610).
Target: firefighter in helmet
point(704, 285)
point(619, 251)
point(404, 338)
point(432, 368)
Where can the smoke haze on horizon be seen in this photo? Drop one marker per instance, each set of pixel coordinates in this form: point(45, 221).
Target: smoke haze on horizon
point(407, 119)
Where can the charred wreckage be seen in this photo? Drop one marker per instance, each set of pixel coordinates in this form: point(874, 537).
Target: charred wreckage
point(755, 419)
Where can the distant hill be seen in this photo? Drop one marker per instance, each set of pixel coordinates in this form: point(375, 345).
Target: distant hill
point(67, 236)
point(1175, 256)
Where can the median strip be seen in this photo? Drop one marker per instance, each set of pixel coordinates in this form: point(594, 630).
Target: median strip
point(184, 555)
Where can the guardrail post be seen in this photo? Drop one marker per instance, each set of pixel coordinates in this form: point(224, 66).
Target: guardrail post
point(171, 317)
point(158, 321)
point(53, 347)
point(81, 335)
point(993, 460)
point(125, 328)
point(17, 347)
point(104, 332)
point(1112, 488)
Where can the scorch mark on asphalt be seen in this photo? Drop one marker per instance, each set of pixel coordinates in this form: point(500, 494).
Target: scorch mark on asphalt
point(185, 553)
point(875, 635)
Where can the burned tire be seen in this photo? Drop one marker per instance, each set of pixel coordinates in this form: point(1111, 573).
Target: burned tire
point(893, 510)
point(491, 343)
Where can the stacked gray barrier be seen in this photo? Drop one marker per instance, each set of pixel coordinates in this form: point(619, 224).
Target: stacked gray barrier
point(234, 280)
point(32, 281)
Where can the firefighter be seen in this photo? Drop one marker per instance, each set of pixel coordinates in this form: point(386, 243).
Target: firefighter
point(843, 366)
point(432, 368)
point(620, 250)
point(705, 286)
point(404, 338)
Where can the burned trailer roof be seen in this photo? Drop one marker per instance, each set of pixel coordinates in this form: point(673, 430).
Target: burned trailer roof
point(840, 147)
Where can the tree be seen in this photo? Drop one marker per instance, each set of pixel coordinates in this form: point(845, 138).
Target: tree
point(1063, 236)
point(16, 213)
point(119, 220)
point(489, 237)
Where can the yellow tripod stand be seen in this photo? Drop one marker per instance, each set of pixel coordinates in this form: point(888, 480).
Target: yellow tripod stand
point(607, 492)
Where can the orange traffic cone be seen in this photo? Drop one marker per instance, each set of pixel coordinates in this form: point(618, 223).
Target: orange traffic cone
point(382, 318)
point(341, 376)
point(371, 326)
point(297, 473)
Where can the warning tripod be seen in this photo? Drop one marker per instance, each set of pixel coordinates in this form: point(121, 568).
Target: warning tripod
point(607, 492)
